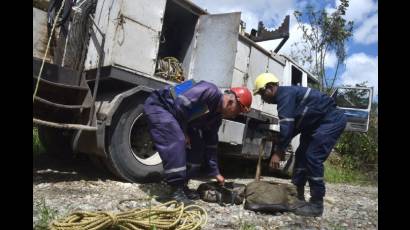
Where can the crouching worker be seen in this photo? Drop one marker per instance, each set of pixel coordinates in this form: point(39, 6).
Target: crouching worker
point(184, 121)
point(314, 115)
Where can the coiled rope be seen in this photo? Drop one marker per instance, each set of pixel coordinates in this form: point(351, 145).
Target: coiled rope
point(170, 215)
point(170, 68)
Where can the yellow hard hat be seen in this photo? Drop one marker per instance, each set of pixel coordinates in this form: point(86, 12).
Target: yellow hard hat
point(262, 80)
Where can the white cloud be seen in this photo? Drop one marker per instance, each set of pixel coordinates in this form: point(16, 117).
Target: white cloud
point(329, 9)
point(330, 60)
point(365, 17)
point(367, 33)
point(359, 68)
point(268, 11)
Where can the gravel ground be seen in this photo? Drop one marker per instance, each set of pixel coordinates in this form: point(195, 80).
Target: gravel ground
point(78, 185)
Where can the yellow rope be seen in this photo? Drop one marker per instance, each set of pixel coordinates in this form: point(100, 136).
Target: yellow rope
point(170, 68)
point(48, 46)
point(170, 215)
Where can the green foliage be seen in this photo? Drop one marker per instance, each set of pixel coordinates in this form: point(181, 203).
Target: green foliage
point(37, 146)
point(360, 150)
point(247, 226)
point(335, 173)
point(46, 215)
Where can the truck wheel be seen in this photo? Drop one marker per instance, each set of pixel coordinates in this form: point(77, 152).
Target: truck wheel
point(131, 151)
point(56, 141)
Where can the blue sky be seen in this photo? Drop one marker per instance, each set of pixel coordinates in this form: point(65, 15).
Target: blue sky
point(362, 60)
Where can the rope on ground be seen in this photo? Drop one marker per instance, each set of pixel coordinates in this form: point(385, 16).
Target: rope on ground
point(170, 215)
point(48, 46)
point(170, 68)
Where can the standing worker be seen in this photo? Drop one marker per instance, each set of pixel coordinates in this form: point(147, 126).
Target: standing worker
point(184, 121)
point(314, 115)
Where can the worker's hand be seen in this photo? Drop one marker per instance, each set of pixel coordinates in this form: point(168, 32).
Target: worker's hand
point(274, 161)
point(187, 141)
point(220, 179)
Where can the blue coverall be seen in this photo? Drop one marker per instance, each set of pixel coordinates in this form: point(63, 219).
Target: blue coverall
point(314, 115)
point(170, 119)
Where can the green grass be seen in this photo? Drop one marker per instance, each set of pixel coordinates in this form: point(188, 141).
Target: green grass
point(247, 226)
point(37, 147)
point(337, 174)
point(46, 215)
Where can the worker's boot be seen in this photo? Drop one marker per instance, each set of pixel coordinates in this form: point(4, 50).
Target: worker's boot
point(301, 193)
point(190, 193)
point(179, 195)
point(313, 208)
point(300, 201)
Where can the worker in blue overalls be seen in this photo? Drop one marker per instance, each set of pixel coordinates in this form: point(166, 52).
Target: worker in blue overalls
point(184, 121)
point(314, 115)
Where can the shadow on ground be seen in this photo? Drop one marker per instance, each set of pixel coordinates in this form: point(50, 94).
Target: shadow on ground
point(55, 168)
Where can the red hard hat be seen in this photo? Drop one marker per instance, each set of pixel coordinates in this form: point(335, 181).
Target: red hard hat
point(244, 97)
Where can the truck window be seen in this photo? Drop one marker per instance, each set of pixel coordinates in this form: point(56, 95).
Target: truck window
point(312, 83)
point(296, 76)
point(352, 98)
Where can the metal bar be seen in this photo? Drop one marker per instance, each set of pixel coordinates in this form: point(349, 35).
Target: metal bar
point(39, 99)
point(259, 166)
point(63, 125)
point(97, 80)
point(61, 85)
point(281, 44)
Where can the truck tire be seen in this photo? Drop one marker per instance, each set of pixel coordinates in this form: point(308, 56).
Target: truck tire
point(56, 141)
point(131, 152)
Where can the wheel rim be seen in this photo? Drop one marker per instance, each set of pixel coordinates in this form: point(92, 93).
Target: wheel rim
point(141, 144)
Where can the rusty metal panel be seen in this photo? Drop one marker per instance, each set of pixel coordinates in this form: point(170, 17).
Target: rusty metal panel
point(258, 63)
point(215, 48)
point(40, 38)
point(132, 30)
point(270, 109)
point(106, 14)
point(146, 12)
point(238, 78)
point(135, 47)
point(231, 132)
point(276, 68)
point(242, 56)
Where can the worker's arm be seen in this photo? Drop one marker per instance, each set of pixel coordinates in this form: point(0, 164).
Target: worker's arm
point(286, 111)
point(200, 94)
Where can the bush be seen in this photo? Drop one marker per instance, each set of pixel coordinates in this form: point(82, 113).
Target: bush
point(359, 151)
point(335, 173)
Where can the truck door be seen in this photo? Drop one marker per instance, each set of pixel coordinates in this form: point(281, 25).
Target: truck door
point(356, 104)
point(215, 44)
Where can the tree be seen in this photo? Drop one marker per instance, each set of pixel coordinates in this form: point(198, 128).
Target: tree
point(322, 34)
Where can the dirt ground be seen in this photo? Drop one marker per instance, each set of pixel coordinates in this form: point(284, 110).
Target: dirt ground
point(76, 184)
